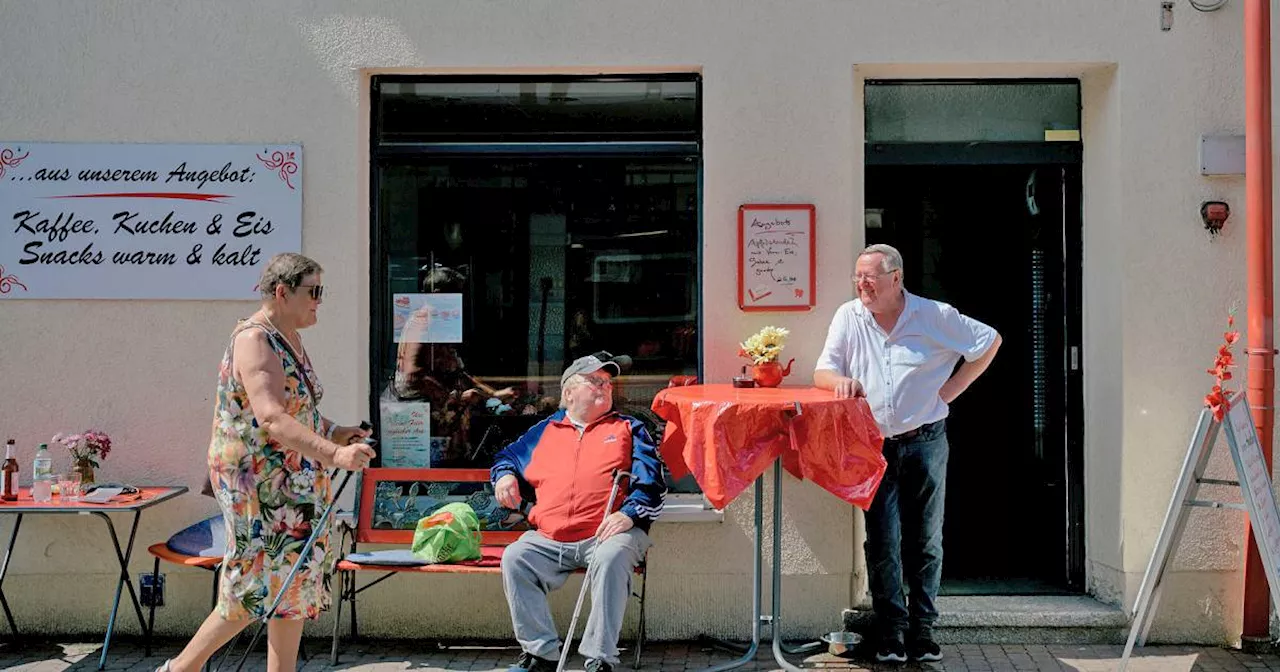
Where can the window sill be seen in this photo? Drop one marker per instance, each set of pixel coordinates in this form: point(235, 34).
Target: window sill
point(689, 508)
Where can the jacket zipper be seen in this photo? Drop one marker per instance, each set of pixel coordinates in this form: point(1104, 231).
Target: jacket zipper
point(573, 492)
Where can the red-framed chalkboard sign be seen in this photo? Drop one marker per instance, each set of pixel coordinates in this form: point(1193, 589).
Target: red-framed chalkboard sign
point(776, 252)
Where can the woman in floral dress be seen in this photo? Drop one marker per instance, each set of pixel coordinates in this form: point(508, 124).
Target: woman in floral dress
point(267, 462)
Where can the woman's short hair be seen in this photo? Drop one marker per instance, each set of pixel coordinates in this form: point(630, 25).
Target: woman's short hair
point(288, 269)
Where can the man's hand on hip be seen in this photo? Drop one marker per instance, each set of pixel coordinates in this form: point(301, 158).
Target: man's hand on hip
point(507, 490)
point(847, 388)
point(614, 523)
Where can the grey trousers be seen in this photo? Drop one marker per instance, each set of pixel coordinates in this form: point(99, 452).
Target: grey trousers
point(535, 565)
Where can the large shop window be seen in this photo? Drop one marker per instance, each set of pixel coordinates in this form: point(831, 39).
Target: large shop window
point(519, 225)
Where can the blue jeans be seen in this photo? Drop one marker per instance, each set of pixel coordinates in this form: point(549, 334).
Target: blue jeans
point(904, 533)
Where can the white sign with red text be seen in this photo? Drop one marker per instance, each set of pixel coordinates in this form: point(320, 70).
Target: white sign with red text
point(144, 221)
point(777, 247)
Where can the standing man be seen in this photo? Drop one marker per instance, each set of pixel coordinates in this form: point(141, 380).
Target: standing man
point(899, 350)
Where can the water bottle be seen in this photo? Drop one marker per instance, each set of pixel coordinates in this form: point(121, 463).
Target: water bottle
point(42, 475)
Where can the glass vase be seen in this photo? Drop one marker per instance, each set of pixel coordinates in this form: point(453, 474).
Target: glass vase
point(85, 468)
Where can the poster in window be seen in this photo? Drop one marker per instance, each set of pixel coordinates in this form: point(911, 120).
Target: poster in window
point(776, 253)
point(406, 433)
point(427, 318)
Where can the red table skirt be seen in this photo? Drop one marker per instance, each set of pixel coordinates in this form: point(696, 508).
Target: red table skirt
point(727, 437)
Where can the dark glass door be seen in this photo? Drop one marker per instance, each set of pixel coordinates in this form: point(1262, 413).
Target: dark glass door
point(1000, 242)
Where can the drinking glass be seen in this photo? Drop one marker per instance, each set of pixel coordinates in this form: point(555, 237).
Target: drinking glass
point(69, 486)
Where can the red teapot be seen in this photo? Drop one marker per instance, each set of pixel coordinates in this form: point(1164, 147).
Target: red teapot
point(770, 374)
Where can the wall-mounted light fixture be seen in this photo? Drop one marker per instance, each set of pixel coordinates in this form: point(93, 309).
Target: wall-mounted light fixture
point(1214, 214)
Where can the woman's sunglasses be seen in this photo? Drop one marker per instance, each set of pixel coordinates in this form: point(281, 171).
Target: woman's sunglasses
point(316, 291)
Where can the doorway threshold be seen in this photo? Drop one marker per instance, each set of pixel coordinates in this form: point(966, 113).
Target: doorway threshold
point(1002, 586)
point(1017, 619)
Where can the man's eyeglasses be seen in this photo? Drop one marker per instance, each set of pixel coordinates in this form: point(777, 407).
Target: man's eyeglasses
point(316, 291)
point(859, 277)
point(598, 383)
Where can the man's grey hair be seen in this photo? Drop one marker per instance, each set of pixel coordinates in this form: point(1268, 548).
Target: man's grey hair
point(573, 381)
point(288, 269)
point(892, 259)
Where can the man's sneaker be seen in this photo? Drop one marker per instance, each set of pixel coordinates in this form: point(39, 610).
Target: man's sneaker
point(531, 663)
point(925, 650)
point(891, 650)
point(594, 665)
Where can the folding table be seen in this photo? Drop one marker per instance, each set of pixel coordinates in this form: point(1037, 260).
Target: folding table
point(147, 497)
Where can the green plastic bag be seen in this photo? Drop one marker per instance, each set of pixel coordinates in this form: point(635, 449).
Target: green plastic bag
point(451, 534)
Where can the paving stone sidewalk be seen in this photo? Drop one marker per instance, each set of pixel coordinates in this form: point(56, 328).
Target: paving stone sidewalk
point(75, 654)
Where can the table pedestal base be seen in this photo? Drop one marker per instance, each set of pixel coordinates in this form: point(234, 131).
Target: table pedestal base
point(758, 618)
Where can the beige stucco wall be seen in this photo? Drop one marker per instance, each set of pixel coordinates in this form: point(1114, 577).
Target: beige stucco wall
point(783, 122)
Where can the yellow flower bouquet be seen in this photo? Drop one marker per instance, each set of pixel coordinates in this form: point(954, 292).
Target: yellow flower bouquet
point(764, 346)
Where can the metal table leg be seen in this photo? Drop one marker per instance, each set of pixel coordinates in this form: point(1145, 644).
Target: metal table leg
point(778, 646)
point(4, 567)
point(756, 617)
point(123, 558)
point(151, 609)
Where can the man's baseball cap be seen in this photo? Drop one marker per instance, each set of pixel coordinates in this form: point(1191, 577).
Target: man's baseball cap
point(594, 362)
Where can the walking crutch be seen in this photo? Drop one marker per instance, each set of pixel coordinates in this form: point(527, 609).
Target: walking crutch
point(577, 608)
point(316, 531)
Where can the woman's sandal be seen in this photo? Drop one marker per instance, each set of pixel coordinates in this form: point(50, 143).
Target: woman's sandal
point(164, 667)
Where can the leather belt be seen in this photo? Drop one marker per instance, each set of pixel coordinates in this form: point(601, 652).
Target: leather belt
point(912, 433)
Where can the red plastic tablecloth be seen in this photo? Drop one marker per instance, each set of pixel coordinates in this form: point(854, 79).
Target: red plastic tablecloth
point(727, 437)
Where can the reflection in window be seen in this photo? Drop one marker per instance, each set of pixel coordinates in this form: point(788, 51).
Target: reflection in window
point(520, 223)
point(449, 110)
point(502, 271)
point(970, 111)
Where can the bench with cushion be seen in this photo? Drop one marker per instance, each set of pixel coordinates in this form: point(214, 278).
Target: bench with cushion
point(391, 502)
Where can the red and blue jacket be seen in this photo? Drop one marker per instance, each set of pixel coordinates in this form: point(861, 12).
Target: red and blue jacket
point(569, 475)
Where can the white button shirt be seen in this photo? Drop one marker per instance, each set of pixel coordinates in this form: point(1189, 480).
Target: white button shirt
point(903, 371)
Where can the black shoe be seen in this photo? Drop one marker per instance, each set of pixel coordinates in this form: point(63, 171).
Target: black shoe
point(531, 663)
point(891, 650)
point(925, 650)
point(594, 665)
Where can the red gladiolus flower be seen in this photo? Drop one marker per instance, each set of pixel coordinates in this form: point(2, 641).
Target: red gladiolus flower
point(1218, 401)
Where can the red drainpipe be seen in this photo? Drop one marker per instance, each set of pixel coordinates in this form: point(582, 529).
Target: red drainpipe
point(1261, 344)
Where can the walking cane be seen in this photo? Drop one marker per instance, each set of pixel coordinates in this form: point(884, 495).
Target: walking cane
point(577, 608)
point(316, 531)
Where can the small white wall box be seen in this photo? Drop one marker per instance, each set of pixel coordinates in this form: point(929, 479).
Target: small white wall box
point(1222, 155)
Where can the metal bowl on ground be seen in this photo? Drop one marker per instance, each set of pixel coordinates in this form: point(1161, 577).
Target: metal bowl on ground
point(841, 643)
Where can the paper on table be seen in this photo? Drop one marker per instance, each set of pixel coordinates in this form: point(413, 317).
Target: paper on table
point(101, 495)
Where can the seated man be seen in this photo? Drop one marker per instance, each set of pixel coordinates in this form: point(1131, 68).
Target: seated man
point(564, 464)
